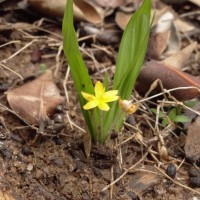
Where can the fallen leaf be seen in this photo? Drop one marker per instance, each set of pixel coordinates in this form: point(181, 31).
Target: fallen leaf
point(87, 142)
point(180, 59)
point(170, 78)
point(36, 99)
point(196, 2)
point(183, 26)
point(110, 3)
point(122, 19)
point(106, 35)
point(157, 44)
point(164, 36)
point(192, 143)
point(83, 10)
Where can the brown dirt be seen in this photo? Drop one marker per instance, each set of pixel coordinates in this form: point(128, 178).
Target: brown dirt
point(55, 166)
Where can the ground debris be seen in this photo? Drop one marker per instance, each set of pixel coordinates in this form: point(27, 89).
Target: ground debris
point(192, 143)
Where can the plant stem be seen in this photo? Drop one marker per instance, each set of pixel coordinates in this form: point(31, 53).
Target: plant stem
point(101, 127)
point(96, 135)
point(115, 121)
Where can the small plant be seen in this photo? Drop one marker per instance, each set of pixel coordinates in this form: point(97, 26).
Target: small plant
point(100, 108)
point(172, 116)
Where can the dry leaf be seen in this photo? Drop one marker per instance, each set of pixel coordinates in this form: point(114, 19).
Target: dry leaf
point(192, 143)
point(157, 44)
point(36, 99)
point(122, 19)
point(83, 10)
point(183, 26)
point(170, 77)
point(106, 35)
point(197, 2)
point(110, 3)
point(164, 35)
point(87, 142)
point(180, 59)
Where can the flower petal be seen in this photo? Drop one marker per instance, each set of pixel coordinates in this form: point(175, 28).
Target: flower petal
point(90, 105)
point(88, 97)
point(103, 106)
point(111, 93)
point(110, 96)
point(99, 89)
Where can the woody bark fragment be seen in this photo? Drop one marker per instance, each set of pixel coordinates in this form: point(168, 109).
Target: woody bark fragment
point(170, 78)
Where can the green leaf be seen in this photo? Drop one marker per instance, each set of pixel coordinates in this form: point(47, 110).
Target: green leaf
point(82, 80)
point(106, 81)
point(181, 118)
point(161, 113)
point(129, 61)
point(172, 113)
point(191, 103)
point(165, 122)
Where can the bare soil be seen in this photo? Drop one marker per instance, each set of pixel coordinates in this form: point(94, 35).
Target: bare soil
point(54, 166)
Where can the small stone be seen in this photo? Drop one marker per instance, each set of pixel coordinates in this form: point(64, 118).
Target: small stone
point(132, 195)
point(194, 172)
point(58, 118)
point(59, 109)
point(58, 161)
point(85, 196)
point(57, 140)
point(26, 150)
point(29, 167)
point(39, 174)
point(195, 181)
point(171, 170)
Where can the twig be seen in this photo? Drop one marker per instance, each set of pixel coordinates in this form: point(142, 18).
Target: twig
point(19, 51)
point(11, 70)
point(126, 171)
point(176, 182)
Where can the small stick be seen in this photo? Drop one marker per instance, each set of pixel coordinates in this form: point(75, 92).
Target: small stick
point(126, 171)
point(19, 51)
point(176, 182)
point(11, 70)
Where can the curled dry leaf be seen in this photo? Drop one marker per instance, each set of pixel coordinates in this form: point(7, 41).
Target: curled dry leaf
point(83, 10)
point(164, 35)
point(122, 19)
point(110, 3)
point(170, 77)
point(36, 99)
point(183, 26)
point(180, 59)
point(106, 35)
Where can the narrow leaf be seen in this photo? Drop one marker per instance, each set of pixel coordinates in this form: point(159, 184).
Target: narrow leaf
point(181, 118)
point(78, 69)
point(129, 62)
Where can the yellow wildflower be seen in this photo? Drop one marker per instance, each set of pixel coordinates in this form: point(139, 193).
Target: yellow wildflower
point(101, 98)
point(128, 106)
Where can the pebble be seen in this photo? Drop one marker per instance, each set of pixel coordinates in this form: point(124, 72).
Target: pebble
point(57, 140)
point(195, 181)
point(171, 170)
point(85, 196)
point(132, 195)
point(26, 150)
point(58, 118)
point(59, 109)
point(29, 167)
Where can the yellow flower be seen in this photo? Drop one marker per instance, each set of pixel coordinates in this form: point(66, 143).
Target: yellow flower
point(128, 106)
point(101, 98)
